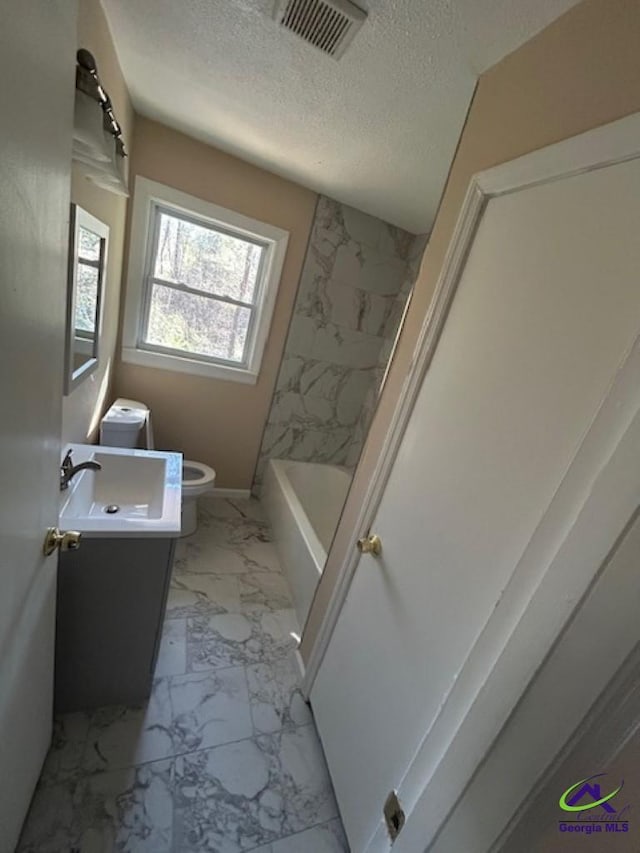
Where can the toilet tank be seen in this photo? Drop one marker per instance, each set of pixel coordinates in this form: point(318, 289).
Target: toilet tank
point(121, 425)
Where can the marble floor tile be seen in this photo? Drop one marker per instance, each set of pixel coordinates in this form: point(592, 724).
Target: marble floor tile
point(129, 810)
point(241, 795)
point(260, 556)
point(223, 801)
point(275, 696)
point(64, 758)
point(300, 774)
point(184, 713)
point(281, 626)
point(126, 810)
point(52, 824)
point(264, 591)
point(197, 594)
point(219, 550)
point(172, 654)
point(232, 508)
point(229, 639)
point(326, 838)
point(232, 529)
point(199, 556)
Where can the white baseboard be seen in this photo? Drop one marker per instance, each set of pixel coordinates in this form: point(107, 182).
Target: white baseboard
point(231, 493)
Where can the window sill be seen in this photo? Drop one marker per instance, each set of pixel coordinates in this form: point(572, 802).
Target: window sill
point(179, 364)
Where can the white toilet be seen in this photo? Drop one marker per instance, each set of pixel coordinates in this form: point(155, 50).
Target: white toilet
point(197, 479)
point(121, 426)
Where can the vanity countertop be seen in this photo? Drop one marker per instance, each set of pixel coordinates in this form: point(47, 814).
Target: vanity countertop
point(141, 488)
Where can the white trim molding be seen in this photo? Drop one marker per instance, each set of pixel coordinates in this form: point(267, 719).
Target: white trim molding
point(149, 196)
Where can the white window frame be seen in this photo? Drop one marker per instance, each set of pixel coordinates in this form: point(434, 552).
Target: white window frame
point(148, 197)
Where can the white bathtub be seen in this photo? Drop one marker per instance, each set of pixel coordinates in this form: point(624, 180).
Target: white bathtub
point(303, 501)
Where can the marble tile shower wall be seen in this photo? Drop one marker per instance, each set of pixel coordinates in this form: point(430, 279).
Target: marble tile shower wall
point(414, 257)
point(355, 281)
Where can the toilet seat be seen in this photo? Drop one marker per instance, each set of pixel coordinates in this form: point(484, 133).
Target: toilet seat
point(197, 479)
point(200, 477)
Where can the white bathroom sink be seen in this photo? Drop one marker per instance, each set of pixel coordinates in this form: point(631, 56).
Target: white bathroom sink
point(136, 493)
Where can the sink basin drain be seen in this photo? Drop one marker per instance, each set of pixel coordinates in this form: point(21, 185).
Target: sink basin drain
point(111, 508)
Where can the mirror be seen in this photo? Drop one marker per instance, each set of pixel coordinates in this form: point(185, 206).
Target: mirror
point(88, 238)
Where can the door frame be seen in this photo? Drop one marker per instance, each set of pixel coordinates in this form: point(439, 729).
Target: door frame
point(607, 145)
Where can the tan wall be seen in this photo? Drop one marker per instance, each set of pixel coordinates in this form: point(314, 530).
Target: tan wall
point(81, 411)
point(216, 421)
point(580, 72)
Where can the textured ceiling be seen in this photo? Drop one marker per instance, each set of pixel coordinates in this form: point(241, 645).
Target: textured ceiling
point(376, 129)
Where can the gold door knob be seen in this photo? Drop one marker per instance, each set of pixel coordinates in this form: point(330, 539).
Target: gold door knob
point(63, 540)
point(370, 545)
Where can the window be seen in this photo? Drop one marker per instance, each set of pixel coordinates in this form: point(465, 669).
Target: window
point(201, 287)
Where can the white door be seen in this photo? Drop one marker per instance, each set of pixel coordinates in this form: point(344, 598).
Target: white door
point(37, 61)
point(546, 311)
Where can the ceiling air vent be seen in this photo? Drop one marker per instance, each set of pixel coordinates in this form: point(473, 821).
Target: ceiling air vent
point(328, 25)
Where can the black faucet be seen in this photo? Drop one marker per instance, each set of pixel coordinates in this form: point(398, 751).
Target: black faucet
point(68, 470)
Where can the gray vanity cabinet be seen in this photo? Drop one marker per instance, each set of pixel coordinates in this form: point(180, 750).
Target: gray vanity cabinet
point(112, 595)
